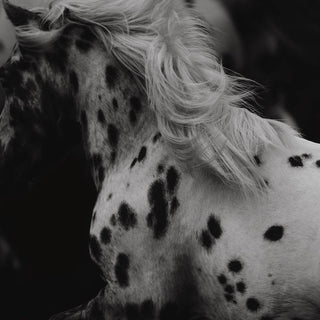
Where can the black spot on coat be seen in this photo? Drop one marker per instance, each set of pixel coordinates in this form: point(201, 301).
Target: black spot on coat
point(142, 154)
point(112, 76)
point(115, 104)
point(222, 279)
point(121, 270)
point(156, 137)
point(133, 163)
point(113, 156)
point(172, 179)
point(295, 161)
point(189, 3)
point(159, 209)
point(257, 160)
point(105, 235)
point(253, 304)
point(100, 116)
point(126, 216)
point(307, 156)
point(274, 233)
point(135, 104)
point(235, 266)
point(113, 135)
point(206, 239)
point(241, 287)
point(229, 297)
point(229, 289)
point(136, 108)
point(132, 117)
point(214, 227)
point(160, 169)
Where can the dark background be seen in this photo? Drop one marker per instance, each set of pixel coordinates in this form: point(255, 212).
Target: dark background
point(47, 226)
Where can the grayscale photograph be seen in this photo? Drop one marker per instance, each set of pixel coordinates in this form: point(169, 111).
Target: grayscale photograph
point(159, 160)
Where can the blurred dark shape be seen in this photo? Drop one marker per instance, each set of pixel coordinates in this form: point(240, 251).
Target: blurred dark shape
point(281, 41)
point(48, 226)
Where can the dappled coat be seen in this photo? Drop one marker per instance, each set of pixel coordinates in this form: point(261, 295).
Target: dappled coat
point(205, 210)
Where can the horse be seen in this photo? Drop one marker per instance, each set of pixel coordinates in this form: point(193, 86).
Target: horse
point(205, 210)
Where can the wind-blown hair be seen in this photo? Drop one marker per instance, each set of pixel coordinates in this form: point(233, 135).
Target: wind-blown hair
point(201, 112)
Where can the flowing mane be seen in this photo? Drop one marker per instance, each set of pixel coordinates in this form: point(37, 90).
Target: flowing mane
point(199, 109)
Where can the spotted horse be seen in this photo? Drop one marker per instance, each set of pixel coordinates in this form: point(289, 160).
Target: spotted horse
point(205, 210)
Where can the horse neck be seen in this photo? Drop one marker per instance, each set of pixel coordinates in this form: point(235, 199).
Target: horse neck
point(49, 92)
point(113, 111)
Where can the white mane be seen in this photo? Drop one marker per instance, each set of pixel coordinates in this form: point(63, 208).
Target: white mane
point(198, 107)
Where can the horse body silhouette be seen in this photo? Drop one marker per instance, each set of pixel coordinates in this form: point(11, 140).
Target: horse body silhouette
point(205, 210)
